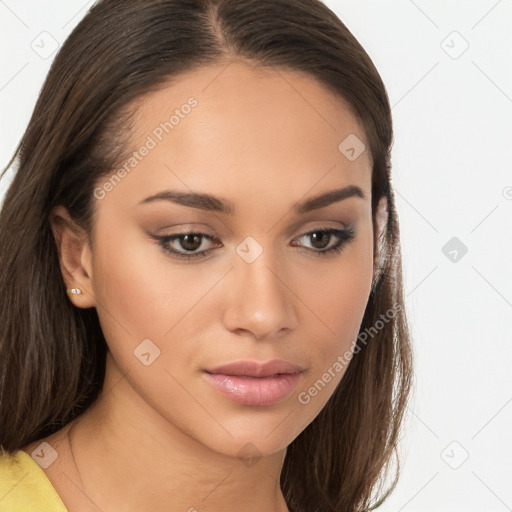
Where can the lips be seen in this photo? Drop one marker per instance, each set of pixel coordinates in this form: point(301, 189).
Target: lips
point(255, 369)
point(253, 383)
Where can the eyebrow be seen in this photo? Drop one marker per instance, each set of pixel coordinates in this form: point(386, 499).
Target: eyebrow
point(215, 204)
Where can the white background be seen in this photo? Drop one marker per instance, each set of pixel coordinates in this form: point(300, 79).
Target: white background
point(452, 177)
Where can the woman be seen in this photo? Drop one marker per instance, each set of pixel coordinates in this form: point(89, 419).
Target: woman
point(202, 300)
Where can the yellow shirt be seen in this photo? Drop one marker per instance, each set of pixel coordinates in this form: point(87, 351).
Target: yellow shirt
point(24, 486)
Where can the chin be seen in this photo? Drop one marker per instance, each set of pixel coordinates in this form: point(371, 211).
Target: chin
point(256, 432)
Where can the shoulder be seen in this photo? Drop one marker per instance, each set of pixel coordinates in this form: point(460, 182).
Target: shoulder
point(24, 487)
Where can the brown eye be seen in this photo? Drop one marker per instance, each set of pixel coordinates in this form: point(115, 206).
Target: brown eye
point(322, 238)
point(185, 245)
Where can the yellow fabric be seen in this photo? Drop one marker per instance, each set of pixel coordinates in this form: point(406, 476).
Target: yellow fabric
point(24, 486)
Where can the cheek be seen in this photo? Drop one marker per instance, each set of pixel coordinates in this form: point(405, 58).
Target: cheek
point(140, 287)
point(336, 295)
point(142, 295)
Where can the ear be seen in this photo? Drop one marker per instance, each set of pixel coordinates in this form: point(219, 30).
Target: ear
point(381, 221)
point(75, 257)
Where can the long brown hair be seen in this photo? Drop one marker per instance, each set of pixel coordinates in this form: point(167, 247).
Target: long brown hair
point(52, 354)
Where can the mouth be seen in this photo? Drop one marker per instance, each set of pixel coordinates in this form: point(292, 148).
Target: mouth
point(253, 383)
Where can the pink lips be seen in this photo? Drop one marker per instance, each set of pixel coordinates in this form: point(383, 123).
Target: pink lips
point(252, 383)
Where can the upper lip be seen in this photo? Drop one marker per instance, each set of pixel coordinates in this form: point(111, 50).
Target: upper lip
point(255, 369)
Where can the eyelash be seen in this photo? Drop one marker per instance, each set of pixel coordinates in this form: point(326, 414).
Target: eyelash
point(344, 236)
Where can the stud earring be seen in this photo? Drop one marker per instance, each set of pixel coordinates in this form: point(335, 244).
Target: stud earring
point(75, 291)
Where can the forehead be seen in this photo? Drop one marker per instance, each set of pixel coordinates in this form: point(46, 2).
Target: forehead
point(242, 129)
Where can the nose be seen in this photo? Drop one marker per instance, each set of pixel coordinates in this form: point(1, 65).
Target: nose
point(258, 300)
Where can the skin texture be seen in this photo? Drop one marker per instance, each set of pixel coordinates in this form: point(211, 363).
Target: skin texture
point(160, 437)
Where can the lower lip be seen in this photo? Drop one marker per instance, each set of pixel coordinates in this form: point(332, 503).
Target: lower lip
point(255, 390)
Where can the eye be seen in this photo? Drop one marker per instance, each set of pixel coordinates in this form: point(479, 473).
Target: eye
point(322, 240)
point(185, 245)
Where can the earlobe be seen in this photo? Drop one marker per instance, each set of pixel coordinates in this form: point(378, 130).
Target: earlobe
point(72, 247)
point(381, 218)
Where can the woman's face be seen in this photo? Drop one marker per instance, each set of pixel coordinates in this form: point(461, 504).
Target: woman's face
point(257, 282)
